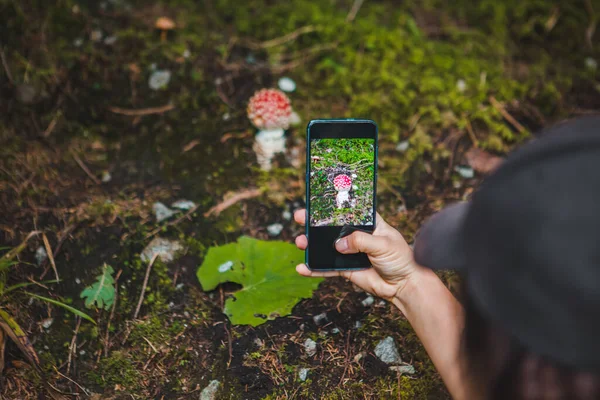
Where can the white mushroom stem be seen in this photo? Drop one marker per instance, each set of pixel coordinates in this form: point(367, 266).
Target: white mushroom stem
point(342, 197)
point(267, 144)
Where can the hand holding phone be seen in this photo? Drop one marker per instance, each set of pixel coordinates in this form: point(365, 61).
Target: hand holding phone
point(341, 180)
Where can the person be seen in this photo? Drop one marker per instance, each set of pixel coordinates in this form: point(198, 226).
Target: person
point(527, 246)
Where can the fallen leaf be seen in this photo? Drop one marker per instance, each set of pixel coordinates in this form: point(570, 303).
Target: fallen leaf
point(482, 161)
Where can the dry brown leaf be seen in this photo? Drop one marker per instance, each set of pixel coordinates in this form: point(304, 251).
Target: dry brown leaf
point(482, 161)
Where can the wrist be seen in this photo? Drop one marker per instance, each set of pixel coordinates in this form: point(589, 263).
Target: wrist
point(413, 283)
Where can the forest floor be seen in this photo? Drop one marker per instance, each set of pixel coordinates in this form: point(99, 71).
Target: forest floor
point(87, 147)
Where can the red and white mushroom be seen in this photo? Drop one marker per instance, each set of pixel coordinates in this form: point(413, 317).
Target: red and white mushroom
point(270, 109)
point(342, 183)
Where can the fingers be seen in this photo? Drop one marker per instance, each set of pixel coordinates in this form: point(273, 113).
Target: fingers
point(303, 270)
point(364, 243)
point(302, 242)
point(300, 216)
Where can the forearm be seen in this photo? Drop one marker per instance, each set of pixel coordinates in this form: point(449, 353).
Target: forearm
point(438, 320)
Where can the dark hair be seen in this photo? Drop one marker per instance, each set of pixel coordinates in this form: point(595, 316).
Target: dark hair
point(502, 369)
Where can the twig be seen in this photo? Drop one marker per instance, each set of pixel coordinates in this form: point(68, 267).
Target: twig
point(229, 343)
point(85, 168)
point(506, 115)
point(141, 300)
point(73, 346)
point(235, 198)
point(472, 134)
point(112, 314)
point(70, 380)
point(63, 236)
point(6, 68)
point(591, 29)
point(50, 256)
point(51, 126)
point(283, 39)
point(355, 8)
point(15, 251)
point(150, 343)
point(142, 111)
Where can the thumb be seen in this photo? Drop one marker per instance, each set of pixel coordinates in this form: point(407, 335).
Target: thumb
point(360, 242)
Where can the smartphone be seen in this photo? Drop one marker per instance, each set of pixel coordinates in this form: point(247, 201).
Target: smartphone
point(341, 181)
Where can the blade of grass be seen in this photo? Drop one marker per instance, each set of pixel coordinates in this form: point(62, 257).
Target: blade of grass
point(50, 255)
point(25, 284)
point(63, 305)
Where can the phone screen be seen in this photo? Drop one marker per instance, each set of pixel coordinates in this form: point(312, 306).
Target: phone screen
point(341, 182)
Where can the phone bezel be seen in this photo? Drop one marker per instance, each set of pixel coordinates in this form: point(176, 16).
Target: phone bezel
point(311, 126)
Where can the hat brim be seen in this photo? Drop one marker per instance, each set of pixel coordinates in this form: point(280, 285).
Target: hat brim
point(439, 243)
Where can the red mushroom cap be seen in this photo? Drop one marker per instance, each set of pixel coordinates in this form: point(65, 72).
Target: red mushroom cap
point(270, 109)
point(342, 182)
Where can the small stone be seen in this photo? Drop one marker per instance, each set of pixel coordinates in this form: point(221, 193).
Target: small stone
point(162, 212)
point(303, 374)
point(110, 40)
point(320, 319)
point(179, 286)
point(47, 323)
point(82, 352)
point(259, 342)
point(40, 255)
point(186, 53)
point(77, 281)
point(368, 301)
point(186, 314)
point(403, 146)
point(335, 331)
point(226, 266)
point(354, 187)
point(106, 177)
point(26, 93)
point(78, 42)
point(465, 172)
point(286, 84)
point(287, 215)
point(226, 117)
point(382, 303)
point(310, 346)
point(406, 369)
point(166, 250)
point(354, 176)
point(358, 325)
point(461, 85)
point(159, 79)
point(171, 305)
point(275, 229)
point(96, 35)
point(295, 119)
point(591, 64)
point(210, 392)
point(184, 205)
point(387, 351)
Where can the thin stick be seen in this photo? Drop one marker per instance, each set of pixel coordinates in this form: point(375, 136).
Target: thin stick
point(506, 115)
point(50, 255)
point(6, 68)
point(112, 314)
point(141, 300)
point(235, 198)
point(70, 380)
point(73, 346)
point(85, 168)
point(142, 111)
point(283, 39)
point(472, 134)
point(51, 126)
point(355, 8)
point(65, 233)
point(229, 344)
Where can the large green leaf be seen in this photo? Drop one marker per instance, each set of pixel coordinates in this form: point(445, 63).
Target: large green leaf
point(266, 270)
point(102, 293)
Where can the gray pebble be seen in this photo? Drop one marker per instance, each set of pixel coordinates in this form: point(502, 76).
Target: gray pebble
point(310, 346)
point(303, 374)
point(210, 392)
point(387, 351)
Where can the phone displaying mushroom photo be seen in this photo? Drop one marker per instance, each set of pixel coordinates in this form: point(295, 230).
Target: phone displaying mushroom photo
point(341, 181)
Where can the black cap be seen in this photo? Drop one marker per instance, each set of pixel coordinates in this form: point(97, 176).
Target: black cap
point(528, 243)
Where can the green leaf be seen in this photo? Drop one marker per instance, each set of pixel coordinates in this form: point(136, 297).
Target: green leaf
point(266, 270)
point(102, 293)
point(63, 305)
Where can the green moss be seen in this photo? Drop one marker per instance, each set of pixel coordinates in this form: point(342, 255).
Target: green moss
point(154, 330)
point(117, 369)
